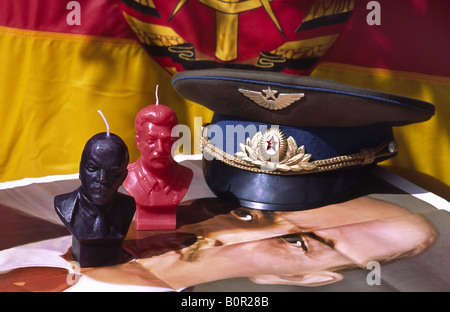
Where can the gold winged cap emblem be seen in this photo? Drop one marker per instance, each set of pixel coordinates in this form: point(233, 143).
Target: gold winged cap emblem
point(268, 99)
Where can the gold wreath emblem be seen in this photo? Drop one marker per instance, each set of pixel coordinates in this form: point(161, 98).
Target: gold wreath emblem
point(273, 145)
point(270, 100)
point(261, 152)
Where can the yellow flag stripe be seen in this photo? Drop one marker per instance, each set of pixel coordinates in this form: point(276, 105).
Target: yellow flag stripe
point(51, 86)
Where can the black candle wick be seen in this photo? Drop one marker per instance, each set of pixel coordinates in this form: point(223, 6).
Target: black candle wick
point(106, 123)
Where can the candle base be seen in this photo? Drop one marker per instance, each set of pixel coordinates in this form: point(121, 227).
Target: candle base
point(155, 218)
point(95, 253)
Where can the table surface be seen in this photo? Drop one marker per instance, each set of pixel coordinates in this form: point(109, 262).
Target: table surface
point(35, 246)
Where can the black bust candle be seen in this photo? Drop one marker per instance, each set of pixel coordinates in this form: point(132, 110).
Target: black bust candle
point(96, 214)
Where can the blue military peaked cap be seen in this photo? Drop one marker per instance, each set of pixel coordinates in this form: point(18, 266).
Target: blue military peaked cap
point(287, 142)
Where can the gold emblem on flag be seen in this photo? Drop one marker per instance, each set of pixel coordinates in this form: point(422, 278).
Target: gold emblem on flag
point(227, 21)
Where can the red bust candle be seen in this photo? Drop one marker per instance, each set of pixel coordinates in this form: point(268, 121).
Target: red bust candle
point(156, 181)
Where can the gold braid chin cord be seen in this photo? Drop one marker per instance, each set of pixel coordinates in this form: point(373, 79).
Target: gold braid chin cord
point(296, 162)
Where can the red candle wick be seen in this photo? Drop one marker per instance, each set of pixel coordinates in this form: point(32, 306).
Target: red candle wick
point(156, 93)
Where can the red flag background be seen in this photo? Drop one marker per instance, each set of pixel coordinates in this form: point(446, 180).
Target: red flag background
point(55, 74)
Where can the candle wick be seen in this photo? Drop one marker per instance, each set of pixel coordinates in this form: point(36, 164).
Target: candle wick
point(106, 123)
point(156, 93)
